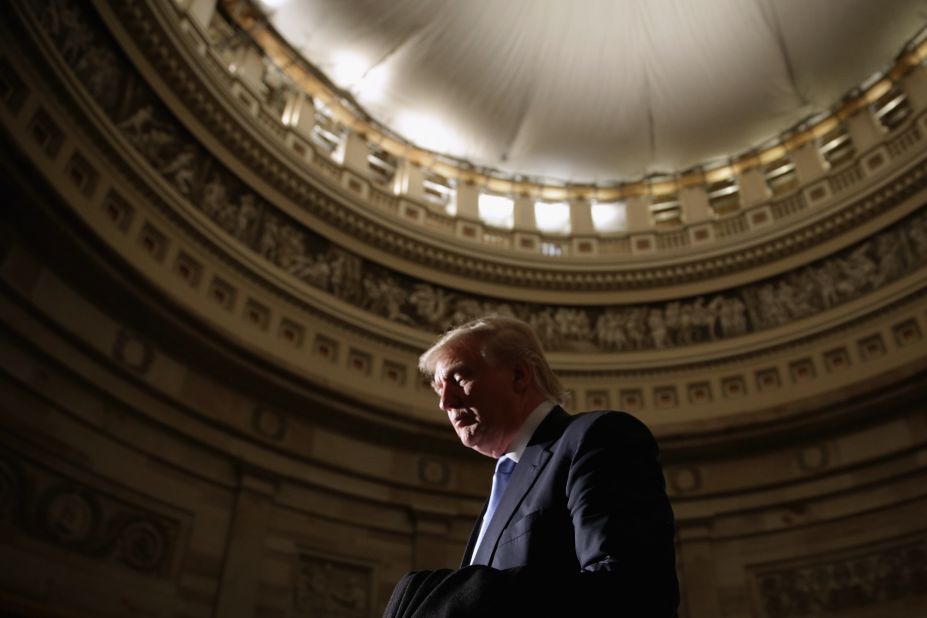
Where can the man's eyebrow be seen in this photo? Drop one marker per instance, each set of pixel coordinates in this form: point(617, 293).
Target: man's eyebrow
point(449, 370)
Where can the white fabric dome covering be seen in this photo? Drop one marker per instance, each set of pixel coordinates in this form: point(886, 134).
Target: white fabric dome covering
point(596, 90)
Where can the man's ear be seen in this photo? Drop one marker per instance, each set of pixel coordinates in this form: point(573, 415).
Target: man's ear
point(522, 376)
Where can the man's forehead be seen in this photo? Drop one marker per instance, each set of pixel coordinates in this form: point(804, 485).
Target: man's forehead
point(455, 356)
point(452, 359)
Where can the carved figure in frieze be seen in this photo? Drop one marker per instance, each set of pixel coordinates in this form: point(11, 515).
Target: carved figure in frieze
point(671, 314)
point(386, 297)
point(890, 259)
point(771, 307)
point(158, 145)
point(544, 324)
point(775, 605)
point(917, 232)
point(915, 563)
point(314, 270)
point(180, 170)
point(338, 266)
point(858, 272)
point(886, 570)
point(138, 122)
point(346, 273)
point(431, 304)
point(228, 216)
point(799, 593)
point(844, 593)
point(825, 284)
point(247, 215)
point(685, 334)
point(100, 70)
point(705, 316)
point(291, 246)
point(573, 324)
point(636, 328)
point(609, 331)
point(64, 19)
point(657, 326)
point(213, 201)
point(791, 302)
point(733, 316)
point(50, 17)
point(464, 309)
point(267, 245)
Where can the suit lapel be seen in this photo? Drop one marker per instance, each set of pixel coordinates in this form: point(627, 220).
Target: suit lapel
point(474, 533)
point(529, 468)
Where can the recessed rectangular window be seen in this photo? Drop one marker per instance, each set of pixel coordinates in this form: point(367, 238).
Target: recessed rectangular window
point(836, 146)
point(551, 249)
point(381, 165)
point(892, 108)
point(497, 210)
point(327, 134)
point(440, 190)
point(723, 196)
point(610, 216)
point(666, 210)
point(552, 218)
point(780, 175)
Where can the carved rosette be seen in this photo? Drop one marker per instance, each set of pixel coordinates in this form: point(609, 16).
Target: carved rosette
point(143, 545)
point(70, 516)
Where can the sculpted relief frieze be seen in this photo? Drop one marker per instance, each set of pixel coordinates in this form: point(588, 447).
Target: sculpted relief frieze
point(846, 582)
point(267, 231)
point(333, 588)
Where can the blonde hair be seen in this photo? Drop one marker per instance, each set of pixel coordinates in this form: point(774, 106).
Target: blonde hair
point(502, 339)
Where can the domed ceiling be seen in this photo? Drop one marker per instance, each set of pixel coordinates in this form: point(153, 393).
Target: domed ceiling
point(596, 90)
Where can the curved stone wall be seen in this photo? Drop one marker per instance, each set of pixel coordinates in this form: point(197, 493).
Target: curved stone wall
point(209, 345)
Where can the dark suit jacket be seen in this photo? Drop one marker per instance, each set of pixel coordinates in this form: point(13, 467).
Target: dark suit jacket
point(584, 528)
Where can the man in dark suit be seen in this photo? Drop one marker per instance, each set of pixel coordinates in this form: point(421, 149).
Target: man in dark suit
point(581, 524)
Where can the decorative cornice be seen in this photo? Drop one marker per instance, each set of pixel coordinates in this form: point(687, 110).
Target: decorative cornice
point(176, 69)
point(201, 185)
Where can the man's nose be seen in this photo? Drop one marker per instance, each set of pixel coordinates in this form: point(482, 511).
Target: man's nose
point(447, 396)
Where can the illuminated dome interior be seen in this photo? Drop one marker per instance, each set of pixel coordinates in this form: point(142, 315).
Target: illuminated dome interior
point(596, 90)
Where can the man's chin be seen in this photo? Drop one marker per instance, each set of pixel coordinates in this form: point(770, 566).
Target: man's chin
point(471, 442)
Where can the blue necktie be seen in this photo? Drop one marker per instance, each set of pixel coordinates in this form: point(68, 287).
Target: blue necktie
point(500, 480)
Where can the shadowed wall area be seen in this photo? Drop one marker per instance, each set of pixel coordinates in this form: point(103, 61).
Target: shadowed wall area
point(214, 291)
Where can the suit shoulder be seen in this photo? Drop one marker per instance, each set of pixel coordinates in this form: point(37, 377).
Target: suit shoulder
point(608, 418)
point(610, 424)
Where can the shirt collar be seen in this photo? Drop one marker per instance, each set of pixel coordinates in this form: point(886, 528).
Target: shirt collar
point(527, 429)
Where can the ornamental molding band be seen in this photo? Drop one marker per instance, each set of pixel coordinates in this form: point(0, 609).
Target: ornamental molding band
point(242, 218)
point(42, 505)
point(324, 200)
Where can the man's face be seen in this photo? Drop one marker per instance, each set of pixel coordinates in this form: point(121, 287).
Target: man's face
point(480, 399)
